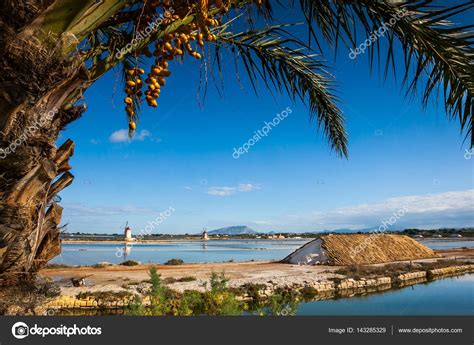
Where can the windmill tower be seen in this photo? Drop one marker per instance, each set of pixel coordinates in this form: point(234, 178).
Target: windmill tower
point(205, 236)
point(127, 234)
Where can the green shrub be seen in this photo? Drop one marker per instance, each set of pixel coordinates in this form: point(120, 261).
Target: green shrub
point(192, 303)
point(171, 280)
point(53, 266)
point(309, 292)
point(218, 282)
point(130, 263)
point(136, 308)
point(221, 303)
point(159, 302)
point(174, 262)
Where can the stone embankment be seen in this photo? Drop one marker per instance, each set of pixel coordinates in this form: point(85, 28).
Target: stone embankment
point(320, 290)
point(452, 270)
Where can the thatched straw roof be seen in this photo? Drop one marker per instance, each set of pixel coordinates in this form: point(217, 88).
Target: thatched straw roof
point(372, 248)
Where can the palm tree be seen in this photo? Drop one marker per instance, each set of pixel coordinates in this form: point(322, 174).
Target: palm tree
point(54, 50)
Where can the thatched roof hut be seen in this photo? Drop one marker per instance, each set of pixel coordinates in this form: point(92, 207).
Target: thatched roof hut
point(359, 250)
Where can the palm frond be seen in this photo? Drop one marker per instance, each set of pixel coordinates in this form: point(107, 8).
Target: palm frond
point(437, 53)
point(285, 64)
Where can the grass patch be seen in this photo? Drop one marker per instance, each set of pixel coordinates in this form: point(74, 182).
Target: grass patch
point(250, 289)
point(107, 296)
point(171, 280)
point(101, 265)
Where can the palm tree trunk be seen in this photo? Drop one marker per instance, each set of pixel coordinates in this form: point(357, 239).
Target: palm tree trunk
point(41, 80)
point(32, 169)
point(32, 172)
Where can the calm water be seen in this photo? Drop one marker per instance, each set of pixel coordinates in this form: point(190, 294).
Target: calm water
point(449, 296)
point(189, 251)
point(199, 251)
point(447, 243)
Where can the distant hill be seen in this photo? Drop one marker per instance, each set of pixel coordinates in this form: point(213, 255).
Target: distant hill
point(348, 231)
point(233, 230)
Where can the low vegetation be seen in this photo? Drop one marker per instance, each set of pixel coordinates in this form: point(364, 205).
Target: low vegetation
point(130, 263)
point(56, 266)
point(171, 280)
point(106, 296)
point(174, 262)
point(216, 300)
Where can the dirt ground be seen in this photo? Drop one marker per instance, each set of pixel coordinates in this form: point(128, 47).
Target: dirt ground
point(238, 273)
point(457, 252)
point(30, 299)
point(114, 278)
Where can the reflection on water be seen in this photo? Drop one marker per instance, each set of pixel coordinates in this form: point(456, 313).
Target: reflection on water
point(448, 296)
point(189, 251)
point(126, 251)
point(199, 251)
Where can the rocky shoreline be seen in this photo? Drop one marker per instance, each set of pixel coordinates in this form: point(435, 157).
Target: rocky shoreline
point(107, 289)
point(258, 289)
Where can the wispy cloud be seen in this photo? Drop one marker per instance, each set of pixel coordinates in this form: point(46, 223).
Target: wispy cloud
point(449, 209)
point(81, 210)
point(106, 218)
point(226, 191)
point(121, 136)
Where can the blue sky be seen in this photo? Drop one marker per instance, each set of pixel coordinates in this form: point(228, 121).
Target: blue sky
point(399, 157)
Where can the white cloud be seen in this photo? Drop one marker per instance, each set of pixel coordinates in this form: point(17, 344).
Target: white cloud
point(121, 136)
point(247, 187)
point(142, 135)
point(449, 209)
point(94, 141)
point(226, 191)
point(222, 191)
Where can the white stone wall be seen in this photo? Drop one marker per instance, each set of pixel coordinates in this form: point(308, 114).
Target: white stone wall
point(309, 254)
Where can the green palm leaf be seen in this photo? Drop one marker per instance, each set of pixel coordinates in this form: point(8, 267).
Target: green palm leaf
point(286, 64)
point(437, 54)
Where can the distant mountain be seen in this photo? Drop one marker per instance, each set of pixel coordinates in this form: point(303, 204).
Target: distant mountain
point(233, 230)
